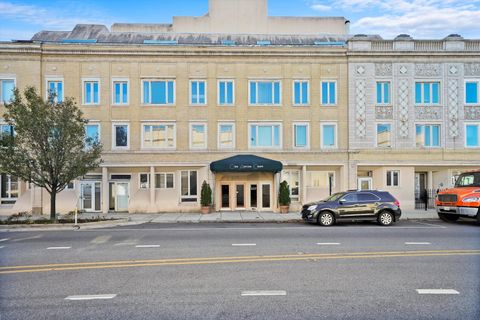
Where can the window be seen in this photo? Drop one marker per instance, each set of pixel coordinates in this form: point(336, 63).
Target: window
point(329, 135)
point(427, 93)
point(225, 93)
point(92, 134)
point(384, 135)
point(383, 93)
point(120, 92)
point(70, 186)
point(121, 136)
point(301, 135)
point(6, 90)
point(265, 136)
point(6, 130)
point(264, 93)
point(226, 136)
point(198, 136)
point(367, 197)
point(472, 135)
point(198, 92)
point(158, 92)
point(91, 92)
point(164, 180)
point(158, 136)
point(55, 87)
point(8, 188)
point(293, 179)
point(393, 178)
point(321, 179)
point(189, 186)
point(301, 92)
point(471, 92)
point(329, 93)
point(144, 180)
point(428, 136)
point(352, 197)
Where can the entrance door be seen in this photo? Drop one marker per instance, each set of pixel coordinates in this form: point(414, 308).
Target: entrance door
point(365, 183)
point(253, 196)
point(225, 196)
point(266, 196)
point(122, 196)
point(420, 183)
point(240, 195)
point(90, 196)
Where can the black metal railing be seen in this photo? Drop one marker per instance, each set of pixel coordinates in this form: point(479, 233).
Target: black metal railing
point(425, 199)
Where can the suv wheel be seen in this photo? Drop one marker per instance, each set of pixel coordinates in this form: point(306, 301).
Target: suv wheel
point(326, 218)
point(385, 218)
point(448, 217)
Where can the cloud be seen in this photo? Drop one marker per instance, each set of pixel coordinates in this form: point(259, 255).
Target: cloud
point(320, 7)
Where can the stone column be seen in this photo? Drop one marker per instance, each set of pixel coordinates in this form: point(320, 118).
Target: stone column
point(352, 175)
point(152, 190)
point(304, 184)
point(430, 180)
point(105, 190)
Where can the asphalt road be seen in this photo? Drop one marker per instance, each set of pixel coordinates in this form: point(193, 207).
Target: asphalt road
point(243, 271)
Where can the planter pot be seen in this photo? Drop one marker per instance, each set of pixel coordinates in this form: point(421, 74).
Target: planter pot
point(284, 209)
point(205, 210)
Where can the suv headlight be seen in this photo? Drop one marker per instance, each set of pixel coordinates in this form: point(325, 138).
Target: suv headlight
point(312, 208)
point(471, 199)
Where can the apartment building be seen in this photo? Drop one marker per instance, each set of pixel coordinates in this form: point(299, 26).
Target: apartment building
point(235, 98)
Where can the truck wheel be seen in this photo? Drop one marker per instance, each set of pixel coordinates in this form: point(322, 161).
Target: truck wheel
point(448, 217)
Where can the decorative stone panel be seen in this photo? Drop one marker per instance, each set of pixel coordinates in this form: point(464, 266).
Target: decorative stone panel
point(428, 113)
point(361, 70)
point(453, 70)
point(453, 108)
point(383, 69)
point(472, 113)
point(361, 109)
point(403, 70)
point(472, 69)
point(427, 70)
point(403, 98)
point(384, 113)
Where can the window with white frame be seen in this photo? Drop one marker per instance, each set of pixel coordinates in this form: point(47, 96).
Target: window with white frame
point(472, 135)
point(384, 135)
point(383, 92)
point(328, 93)
point(321, 179)
point(91, 92)
point(427, 93)
point(6, 90)
point(427, 135)
point(264, 92)
point(188, 186)
point(393, 178)
point(472, 92)
point(301, 94)
point(198, 135)
point(301, 135)
point(120, 92)
point(293, 179)
point(328, 135)
point(226, 92)
point(158, 92)
point(158, 136)
point(226, 135)
point(164, 180)
point(92, 134)
point(144, 180)
point(8, 188)
point(198, 92)
point(265, 135)
point(121, 136)
point(55, 88)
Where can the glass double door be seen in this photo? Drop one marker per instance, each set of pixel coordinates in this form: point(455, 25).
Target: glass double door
point(240, 196)
point(119, 196)
point(90, 196)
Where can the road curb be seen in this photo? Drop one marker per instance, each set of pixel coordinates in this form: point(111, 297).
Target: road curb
point(69, 226)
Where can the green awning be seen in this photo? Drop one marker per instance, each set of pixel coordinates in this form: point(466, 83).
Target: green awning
point(246, 163)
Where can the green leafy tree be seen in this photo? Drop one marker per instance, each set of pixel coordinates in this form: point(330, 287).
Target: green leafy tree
point(206, 195)
point(49, 147)
point(284, 194)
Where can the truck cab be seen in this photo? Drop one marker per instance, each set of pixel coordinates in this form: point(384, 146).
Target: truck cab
point(463, 200)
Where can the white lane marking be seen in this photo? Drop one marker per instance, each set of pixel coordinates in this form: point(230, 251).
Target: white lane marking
point(147, 246)
point(417, 243)
point(243, 244)
point(5, 239)
point(1, 247)
point(437, 291)
point(328, 243)
point(91, 297)
point(28, 238)
point(264, 293)
point(124, 244)
point(431, 224)
point(58, 248)
point(100, 239)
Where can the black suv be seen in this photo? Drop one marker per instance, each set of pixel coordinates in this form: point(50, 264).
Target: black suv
point(354, 205)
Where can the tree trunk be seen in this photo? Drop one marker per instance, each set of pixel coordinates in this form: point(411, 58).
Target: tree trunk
point(53, 208)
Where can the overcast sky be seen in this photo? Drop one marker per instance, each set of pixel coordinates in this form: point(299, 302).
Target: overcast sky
point(419, 18)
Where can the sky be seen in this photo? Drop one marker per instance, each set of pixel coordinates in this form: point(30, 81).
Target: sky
point(422, 19)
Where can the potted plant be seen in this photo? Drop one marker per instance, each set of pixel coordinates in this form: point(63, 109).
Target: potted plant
point(206, 197)
point(284, 197)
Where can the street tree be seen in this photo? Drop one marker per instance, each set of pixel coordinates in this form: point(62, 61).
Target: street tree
point(48, 146)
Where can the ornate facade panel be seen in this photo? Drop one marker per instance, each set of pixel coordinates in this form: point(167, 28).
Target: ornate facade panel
point(384, 113)
point(383, 69)
point(403, 99)
point(428, 70)
point(472, 113)
point(472, 69)
point(428, 113)
point(361, 108)
point(453, 108)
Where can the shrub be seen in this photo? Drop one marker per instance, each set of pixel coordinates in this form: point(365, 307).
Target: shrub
point(206, 195)
point(284, 194)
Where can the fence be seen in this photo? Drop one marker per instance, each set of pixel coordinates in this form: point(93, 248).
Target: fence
point(425, 199)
